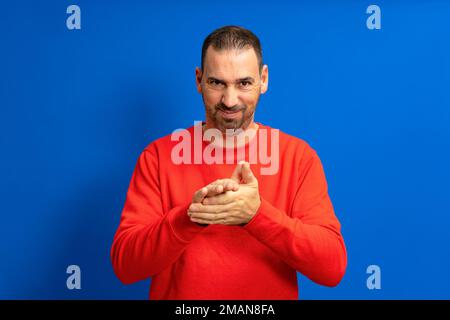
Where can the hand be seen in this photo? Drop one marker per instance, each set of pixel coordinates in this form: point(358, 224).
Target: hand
point(231, 207)
point(214, 188)
point(217, 187)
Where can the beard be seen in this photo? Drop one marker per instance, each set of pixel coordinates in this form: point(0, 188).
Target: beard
point(222, 123)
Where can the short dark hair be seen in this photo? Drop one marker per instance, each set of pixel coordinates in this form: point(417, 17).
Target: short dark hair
point(232, 37)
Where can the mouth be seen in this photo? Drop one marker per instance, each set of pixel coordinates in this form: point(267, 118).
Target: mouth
point(228, 114)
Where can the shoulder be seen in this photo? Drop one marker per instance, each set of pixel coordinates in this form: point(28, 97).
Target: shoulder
point(160, 146)
point(292, 145)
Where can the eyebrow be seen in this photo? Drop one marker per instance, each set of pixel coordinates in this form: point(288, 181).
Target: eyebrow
point(249, 79)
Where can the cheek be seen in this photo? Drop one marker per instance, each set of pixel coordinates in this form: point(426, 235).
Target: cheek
point(250, 101)
point(211, 100)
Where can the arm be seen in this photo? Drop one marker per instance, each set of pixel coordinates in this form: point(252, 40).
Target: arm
point(310, 240)
point(148, 240)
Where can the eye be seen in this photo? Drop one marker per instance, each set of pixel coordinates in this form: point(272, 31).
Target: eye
point(245, 83)
point(215, 83)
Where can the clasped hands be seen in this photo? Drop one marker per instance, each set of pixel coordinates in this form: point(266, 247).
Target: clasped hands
point(232, 201)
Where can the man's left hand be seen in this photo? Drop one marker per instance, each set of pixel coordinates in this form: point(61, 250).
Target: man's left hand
point(231, 207)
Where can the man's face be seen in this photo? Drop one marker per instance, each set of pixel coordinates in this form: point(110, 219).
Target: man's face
point(230, 84)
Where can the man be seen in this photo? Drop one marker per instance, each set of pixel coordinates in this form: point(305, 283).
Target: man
point(215, 230)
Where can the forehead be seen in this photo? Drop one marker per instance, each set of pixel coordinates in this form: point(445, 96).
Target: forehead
point(231, 64)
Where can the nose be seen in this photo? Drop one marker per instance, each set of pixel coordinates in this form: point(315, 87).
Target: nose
point(230, 97)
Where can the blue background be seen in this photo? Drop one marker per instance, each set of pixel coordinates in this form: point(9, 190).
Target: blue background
point(77, 108)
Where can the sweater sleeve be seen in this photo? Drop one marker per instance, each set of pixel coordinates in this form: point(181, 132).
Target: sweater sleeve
point(309, 239)
point(148, 239)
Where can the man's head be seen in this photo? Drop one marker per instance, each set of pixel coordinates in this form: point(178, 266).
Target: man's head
point(231, 78)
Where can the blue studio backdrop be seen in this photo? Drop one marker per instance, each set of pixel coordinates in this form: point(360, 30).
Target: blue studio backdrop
point(78, 106)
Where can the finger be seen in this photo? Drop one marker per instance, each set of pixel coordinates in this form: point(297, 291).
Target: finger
point(214, 190)
point(215, 209)
point(220, 186)
point(200, 195)
point(247, 174)
point(212, 217)
point(201, 222)
point(230, 185)
point(224, 182)
point(223, 198)
point(224, 221)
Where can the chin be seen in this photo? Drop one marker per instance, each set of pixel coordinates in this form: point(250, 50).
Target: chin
point(230, 125)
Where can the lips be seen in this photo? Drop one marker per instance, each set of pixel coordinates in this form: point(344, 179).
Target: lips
point(230, 114)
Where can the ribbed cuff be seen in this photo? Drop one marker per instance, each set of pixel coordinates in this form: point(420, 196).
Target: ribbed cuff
point(266, 221)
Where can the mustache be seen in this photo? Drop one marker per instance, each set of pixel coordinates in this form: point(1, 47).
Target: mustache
point(222, 107)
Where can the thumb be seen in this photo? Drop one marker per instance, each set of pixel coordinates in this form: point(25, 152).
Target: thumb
point(236, 176)
point(247, 174)
point(199, 195)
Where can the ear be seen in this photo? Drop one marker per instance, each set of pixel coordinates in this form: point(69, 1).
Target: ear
point(264, 79)
point(198, 79)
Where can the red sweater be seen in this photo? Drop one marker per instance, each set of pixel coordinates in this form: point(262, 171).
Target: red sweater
point(295, 229)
